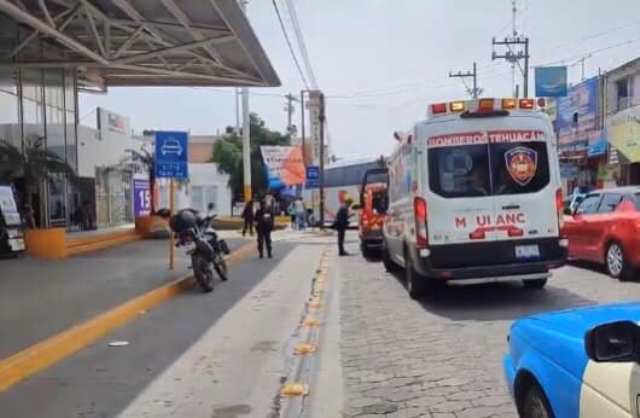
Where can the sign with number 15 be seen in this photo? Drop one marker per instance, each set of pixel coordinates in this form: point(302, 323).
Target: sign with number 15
point(141, 198)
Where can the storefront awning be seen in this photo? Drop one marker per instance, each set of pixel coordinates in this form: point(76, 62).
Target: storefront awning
point(142, 42)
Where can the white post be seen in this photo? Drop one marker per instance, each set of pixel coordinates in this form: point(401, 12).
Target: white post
point(246, 133)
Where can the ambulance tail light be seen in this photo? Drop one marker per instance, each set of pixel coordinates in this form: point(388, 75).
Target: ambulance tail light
point(437, 108)
point(508, 104)
point(560, 208)
point(515, 232)
point(527, 103)
point(485, 105)
point(477, 234)
point(421, 213)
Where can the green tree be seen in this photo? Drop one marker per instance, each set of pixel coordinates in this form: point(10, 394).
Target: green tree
point(227, 153)
point(35, 165)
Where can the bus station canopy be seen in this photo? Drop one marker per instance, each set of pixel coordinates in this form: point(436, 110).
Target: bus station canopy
point(140, 42)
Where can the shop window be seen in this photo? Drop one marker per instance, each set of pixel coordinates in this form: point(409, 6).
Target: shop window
point(70, 118)
point(55, 112)
point(9, 109)
point(623, 93)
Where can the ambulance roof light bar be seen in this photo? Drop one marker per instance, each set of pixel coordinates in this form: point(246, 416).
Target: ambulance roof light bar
point(485, 105)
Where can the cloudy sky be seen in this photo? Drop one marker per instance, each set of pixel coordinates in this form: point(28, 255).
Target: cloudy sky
point(381, 62)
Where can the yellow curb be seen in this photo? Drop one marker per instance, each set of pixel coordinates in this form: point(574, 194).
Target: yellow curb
point(302, 349)
point(310, 322)
point(48, 352)
point(294, 389)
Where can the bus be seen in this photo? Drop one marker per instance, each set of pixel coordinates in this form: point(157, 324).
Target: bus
point(342, 180)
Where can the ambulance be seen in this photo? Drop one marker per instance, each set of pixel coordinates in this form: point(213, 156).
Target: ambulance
point(475, 197)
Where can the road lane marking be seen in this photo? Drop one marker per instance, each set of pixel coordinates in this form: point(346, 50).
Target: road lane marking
point(50, 351)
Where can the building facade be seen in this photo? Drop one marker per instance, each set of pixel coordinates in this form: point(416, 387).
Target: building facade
point(39, 106)
point(622, 120)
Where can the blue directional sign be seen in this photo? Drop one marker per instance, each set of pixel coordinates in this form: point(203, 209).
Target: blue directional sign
point(313, 176)
point(172, 152)
point(551, 81)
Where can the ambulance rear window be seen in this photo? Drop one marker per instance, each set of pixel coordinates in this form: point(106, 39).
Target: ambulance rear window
point(459, 171)
point(488, 169)
point(521, 167)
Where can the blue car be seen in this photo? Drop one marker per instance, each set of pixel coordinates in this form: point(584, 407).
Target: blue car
point(577, 363)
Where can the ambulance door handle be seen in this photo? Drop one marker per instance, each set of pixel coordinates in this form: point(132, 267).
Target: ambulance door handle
point(511, 207)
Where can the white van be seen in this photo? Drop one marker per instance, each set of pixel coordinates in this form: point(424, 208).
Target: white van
point(475, 197)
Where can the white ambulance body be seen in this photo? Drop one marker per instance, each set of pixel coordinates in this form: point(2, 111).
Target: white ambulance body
point(475, 196)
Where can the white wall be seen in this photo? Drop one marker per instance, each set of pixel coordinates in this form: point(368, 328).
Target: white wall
point(109, 150)
point(196, 193)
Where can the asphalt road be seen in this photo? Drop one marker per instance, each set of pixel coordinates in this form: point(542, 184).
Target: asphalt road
point(39, 298)
point(441, 358)
point(226, 354)
point(182, 344)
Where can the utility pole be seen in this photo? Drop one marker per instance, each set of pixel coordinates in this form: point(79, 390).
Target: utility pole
point(473, 74)
point(290, 109)
point(246, 133)
point(237, 111)
point(514, 57)
point(581, 61)
point(322, 119)
point(304, 152)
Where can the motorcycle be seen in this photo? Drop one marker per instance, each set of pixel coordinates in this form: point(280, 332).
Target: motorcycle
point(206, 249)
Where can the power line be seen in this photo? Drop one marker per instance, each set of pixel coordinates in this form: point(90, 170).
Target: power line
point(286, 37)
point(301, 43)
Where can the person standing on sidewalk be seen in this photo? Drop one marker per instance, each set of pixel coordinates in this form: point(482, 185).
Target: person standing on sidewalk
point(264, 225)
point(247, 215)
point(300, 214)
point(341, 223)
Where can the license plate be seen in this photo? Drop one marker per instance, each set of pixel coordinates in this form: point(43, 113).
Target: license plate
point(16, 244)
point(527, 251)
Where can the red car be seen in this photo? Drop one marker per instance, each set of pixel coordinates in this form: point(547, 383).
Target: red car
point(605, 229)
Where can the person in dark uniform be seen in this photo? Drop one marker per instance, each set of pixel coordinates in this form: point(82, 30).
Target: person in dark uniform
point(247, 215)
point(264, 225)
point(341, 224)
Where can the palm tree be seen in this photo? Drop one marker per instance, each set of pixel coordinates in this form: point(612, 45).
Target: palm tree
point(147, 159)
point(35, 165)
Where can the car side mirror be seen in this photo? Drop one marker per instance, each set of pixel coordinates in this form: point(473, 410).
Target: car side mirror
point(211, 206)
point(568, 211)
point(614, 342)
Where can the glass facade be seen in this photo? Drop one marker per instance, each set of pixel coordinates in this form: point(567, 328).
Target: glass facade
point(41, 105)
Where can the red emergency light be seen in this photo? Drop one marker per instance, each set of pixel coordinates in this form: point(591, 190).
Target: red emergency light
point(485, 105)
point(527, 103)
point(439, 108)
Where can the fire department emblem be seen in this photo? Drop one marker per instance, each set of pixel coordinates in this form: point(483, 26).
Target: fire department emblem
point(521, 164)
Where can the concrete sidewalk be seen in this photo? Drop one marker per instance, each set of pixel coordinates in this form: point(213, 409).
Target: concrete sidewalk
point(41, 298)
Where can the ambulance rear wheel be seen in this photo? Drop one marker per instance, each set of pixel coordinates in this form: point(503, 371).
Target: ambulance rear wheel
point(418, 286)
point(389, 264)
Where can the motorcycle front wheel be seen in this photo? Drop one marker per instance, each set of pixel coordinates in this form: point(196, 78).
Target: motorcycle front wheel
point(202, 272)
point(220, 264)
